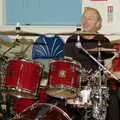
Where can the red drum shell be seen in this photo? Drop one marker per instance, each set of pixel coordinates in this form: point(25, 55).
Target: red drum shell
point(43, 97)
point(23, 78)
point(116, 61)
point(63, 78)
point(116, 64)
point(21, 104)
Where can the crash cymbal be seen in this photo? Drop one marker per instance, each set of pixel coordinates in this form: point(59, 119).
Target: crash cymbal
point(115, 41)
point(26, 41)
point(83, 33)
point(5, 43)
point(102, 49)
point(21, 33)
point(74, 33)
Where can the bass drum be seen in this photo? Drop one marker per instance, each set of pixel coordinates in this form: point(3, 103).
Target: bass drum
point(42, 111)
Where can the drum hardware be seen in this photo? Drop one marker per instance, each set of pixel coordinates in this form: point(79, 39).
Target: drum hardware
point(82, 98)
point(22, 53)
point(100, 93)
point(3, 66)
point(100, 65)
point(101, 101)
point(14, 44)
point(6, 103)
point(5, 43)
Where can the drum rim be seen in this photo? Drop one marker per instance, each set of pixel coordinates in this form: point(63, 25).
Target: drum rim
point(10, 89)
point(66, 60)
point(36, 62)
point(37, 104)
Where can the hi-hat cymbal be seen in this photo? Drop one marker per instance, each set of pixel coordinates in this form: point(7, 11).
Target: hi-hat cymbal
point(102, 49)
point(21, 33)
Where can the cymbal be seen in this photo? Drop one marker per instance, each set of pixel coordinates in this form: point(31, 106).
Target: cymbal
point(83, 33)
point(102, 49)
point(74, 33)
point(21, 33)
point(115, 41)
point(5, 43)
point(26, 41)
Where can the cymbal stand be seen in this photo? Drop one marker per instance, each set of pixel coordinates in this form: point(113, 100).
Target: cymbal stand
point(99, 105)
point(7, 102)
point(16, 41)
point(93, 58)
point(100, 71)
point(14, 45)
point(2, 57)
point(100, 92)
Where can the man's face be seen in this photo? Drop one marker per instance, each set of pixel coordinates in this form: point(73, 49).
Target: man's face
point(90, 21)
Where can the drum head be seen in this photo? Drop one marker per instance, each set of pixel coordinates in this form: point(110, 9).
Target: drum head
point(42, 111)
point(60, 93)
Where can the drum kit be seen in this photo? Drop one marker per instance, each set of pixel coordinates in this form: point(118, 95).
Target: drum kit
point(26, 95)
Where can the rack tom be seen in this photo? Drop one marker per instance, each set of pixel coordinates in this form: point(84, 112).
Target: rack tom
point(63, 79)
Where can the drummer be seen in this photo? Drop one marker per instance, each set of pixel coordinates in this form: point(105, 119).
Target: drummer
point(91, 23)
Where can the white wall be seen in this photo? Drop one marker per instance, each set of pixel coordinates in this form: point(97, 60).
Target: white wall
point(2, 12)
point(109, 26)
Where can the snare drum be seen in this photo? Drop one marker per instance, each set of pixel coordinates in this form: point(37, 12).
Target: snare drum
point(63, 79)
point(23, 78)
point(43, 111)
